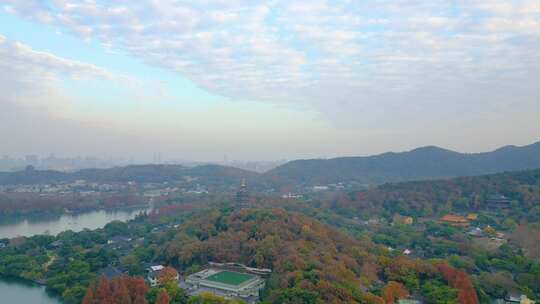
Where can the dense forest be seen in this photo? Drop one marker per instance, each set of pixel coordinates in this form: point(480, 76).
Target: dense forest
point(430, 198)
point(312, 262)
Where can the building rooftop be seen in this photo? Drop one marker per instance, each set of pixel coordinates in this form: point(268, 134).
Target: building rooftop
point(156, 268)
point(408, 301)
point(110, 272)
point(454, 219)
point(230, 278)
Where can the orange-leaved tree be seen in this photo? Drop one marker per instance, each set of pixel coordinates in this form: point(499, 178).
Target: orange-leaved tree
point(118, 290)
point(461, 281)
point(394, 291)
point(167, 275)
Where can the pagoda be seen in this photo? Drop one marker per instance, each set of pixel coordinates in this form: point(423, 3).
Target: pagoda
point(242, 196)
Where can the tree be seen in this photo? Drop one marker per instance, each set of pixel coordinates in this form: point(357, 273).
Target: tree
point(209, 298)
point(125, 290)
point(163, 297)
point(461, 281)
point(437, 293)
point(74, 295)
point(394, 291)
point(490, 231)
point(137, 287)
point(177, 295)
point(167, 275)
point(132, 264)
point(496, 284)
point(294, 296)
point(89, 297)
point(120, 293)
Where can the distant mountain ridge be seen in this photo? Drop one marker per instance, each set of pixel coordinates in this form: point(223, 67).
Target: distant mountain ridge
point(207, 174)
point(422, 163)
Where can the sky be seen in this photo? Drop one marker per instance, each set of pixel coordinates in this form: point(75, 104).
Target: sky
point(266, 79)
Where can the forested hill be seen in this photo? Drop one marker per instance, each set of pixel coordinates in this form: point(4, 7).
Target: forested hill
point(418, 164)
point(311, 262)
point(437, 197)
point(207, 174)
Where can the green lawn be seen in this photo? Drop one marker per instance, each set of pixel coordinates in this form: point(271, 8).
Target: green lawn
point(230, 278)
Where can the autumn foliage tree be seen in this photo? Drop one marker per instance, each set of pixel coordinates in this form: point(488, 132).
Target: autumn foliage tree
point(461, 281)
point(125, 290)
point(394, 291)
point(167, 275)
point(163, 297)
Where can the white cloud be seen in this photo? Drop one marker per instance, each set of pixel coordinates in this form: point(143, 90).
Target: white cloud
point(21, 56)
point(38, 114)
point(36, 78)
point(338, 55)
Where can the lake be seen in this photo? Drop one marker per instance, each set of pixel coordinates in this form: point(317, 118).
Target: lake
point(10, 228)
point(17, 291)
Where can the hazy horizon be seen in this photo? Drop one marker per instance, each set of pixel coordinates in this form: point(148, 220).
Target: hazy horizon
point(266, 80)
point(159, 158)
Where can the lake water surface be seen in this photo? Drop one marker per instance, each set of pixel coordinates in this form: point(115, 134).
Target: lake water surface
point(10, 228)
point(20, 292)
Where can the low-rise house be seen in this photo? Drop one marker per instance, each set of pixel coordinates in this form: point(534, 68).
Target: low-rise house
point(57, 244)
point(472, 216)
point(111, 272)
point(157, 273)
point(320, 188)
point(513, 297)
point(153, 274)
point(476, 232)
point(373, 222)
point(118, 240)
point(121, 244)
point(291, 195)
point(400, 219)
point(455, 220)
point(408, 301)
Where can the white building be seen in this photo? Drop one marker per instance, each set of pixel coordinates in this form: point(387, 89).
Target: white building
point(154, 273)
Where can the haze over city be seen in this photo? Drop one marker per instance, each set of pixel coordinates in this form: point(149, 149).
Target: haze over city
point(266, 80)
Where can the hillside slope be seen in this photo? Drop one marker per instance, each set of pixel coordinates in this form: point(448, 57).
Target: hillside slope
point(311, 262)
point(205, 174)
point(421, 163)
point(462, 194)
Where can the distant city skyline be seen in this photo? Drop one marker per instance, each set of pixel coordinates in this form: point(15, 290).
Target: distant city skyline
point(159, 158)
point(266, 80)
point(69, 163)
